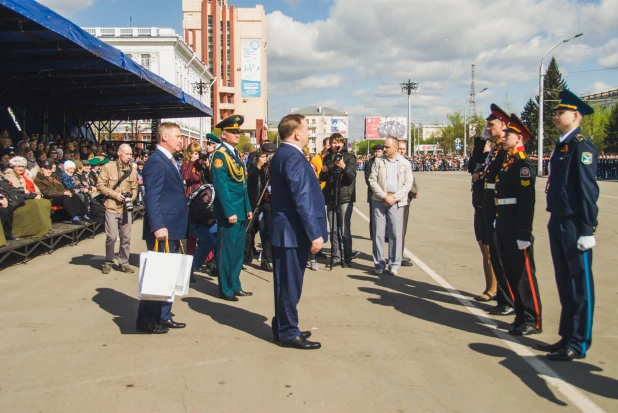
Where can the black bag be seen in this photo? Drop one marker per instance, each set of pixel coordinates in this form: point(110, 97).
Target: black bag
point(200, 203)
point(15, 196)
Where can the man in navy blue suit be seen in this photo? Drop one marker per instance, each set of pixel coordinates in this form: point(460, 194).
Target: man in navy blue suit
point(298, 228)
point(166, 217)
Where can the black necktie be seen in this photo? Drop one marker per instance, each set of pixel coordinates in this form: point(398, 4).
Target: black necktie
point(237, 154)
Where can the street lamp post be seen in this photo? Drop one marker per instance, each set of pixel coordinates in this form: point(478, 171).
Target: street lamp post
point(465, 153)
point(408, 88)
point(541, 92)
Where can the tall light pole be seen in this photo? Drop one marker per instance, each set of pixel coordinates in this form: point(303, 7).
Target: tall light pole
point(465, 153)
point(541, 92)
point(414, 140)
point(408, 88)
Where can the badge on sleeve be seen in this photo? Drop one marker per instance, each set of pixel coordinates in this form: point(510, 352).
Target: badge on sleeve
point(586, 158)
point(525, 182)
point(524, 173)
point(218, 163)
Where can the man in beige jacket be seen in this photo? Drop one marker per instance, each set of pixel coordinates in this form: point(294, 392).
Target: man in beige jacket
point(118, 180)
point(390, 181)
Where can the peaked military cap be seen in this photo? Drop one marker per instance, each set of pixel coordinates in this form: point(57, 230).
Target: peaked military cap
point(498, 113)
point(231, 123)
point(516, 125)
point(569, 100)
point(94, 162)
point(212, 138)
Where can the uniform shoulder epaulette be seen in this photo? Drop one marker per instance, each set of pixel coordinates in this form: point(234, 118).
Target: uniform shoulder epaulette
point(221, 149)
point(580, 137)
point(522, 155)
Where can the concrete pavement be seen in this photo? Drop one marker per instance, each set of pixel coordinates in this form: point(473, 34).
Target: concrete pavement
point(390, 344)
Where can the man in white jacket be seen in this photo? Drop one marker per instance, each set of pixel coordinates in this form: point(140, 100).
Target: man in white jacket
point(390, 182)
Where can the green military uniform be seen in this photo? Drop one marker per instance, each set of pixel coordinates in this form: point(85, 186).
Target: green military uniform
point(229, 178)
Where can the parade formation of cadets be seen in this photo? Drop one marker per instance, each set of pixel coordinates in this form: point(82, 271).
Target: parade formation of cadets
point(503, 192)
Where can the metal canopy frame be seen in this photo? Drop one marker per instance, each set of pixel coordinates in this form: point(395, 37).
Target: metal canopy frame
point(47, 61)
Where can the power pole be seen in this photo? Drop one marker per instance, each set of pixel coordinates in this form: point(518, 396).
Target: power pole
point(409, 88)
point(472, 96)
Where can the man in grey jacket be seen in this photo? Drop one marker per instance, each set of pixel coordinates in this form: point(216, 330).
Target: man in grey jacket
point(390, 181)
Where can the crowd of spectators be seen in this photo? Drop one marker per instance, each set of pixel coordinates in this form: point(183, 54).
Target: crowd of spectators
point(42, 175)
point(430, 162)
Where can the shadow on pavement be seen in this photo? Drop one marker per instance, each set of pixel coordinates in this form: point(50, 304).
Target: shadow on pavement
point(235, 317)
point(576, 373)
point(424, 309)
point(94, 261)
point(121, 306)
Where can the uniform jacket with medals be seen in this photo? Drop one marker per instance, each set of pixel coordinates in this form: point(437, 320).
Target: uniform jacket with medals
point(573, 189)
point(515, 180)
point(229, 177)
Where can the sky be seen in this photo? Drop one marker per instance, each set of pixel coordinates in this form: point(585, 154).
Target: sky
point(351, 55)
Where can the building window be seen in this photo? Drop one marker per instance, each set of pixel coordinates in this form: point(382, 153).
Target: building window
point(146, 61)
point(189, 16)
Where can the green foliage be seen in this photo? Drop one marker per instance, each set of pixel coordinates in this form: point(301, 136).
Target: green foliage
point(272, 136)
point(594, 126)
point(553, 84)
point(361, 147)
point(244, 144)
point(216, 132)
point(611, 131)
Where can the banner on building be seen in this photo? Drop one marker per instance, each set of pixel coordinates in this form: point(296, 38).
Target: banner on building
point(382, 128)
point(251, 68)
point(371, 128)
point(339, 125)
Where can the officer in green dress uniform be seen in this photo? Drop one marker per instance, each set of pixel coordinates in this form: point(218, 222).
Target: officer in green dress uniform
point(232, 208)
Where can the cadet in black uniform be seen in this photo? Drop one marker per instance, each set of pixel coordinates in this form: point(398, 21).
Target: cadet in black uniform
point(515, 199)
point(572, 196)
point(496, 124)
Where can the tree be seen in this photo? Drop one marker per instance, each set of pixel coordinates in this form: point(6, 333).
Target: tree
point(361, 147)
point(552, 84)
point(272, 136)
point(611, 131)
point(244, 144)
point(594, 125)
point(530, 117)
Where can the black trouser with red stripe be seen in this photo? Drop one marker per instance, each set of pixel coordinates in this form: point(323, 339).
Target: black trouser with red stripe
point(521, 273)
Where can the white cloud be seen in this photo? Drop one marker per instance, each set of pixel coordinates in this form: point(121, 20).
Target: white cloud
point(372, 47)
point(67, 6)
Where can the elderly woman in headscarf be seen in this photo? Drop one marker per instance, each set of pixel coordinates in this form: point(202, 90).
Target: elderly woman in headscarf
point(33, 218)
point(72, 183)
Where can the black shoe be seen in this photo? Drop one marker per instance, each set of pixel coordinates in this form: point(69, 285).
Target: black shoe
point(406, 262)
point(172, 324)
point(215, 272)
point(242, 293)
point(565, 353)
point(550, 348)
point(247, 260)
point(151, 328)
point(303, 334)
point(347, 264)
point(336, 262)
point(501, 310)
point(229, 298)
point(192, 280)
point(355, 254)
point(525, 330)
point(320, 254)
point(266, 266)
point(301, 343)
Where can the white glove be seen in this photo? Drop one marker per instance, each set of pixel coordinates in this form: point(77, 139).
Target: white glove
point(586, 242)
point(522, 245)
point(494, 223)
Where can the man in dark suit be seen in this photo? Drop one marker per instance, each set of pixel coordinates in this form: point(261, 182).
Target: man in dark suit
point(166, 217)
point(298, 228)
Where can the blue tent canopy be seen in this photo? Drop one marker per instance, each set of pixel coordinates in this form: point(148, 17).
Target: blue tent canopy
point(45, 60)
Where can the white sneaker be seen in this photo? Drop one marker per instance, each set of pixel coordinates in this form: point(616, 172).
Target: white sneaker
point(392, 272)
point(314, 265)
point(379, 272)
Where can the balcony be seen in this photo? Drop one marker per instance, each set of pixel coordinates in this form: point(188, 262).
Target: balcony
point(129, 31)
point(226, 89)
point(227, 106)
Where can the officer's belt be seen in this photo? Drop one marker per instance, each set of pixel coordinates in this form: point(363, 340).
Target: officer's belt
point(506, 201)
point(490, 186)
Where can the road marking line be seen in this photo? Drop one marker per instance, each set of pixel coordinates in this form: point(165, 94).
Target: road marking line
point(538, 189)
point(576, 397)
